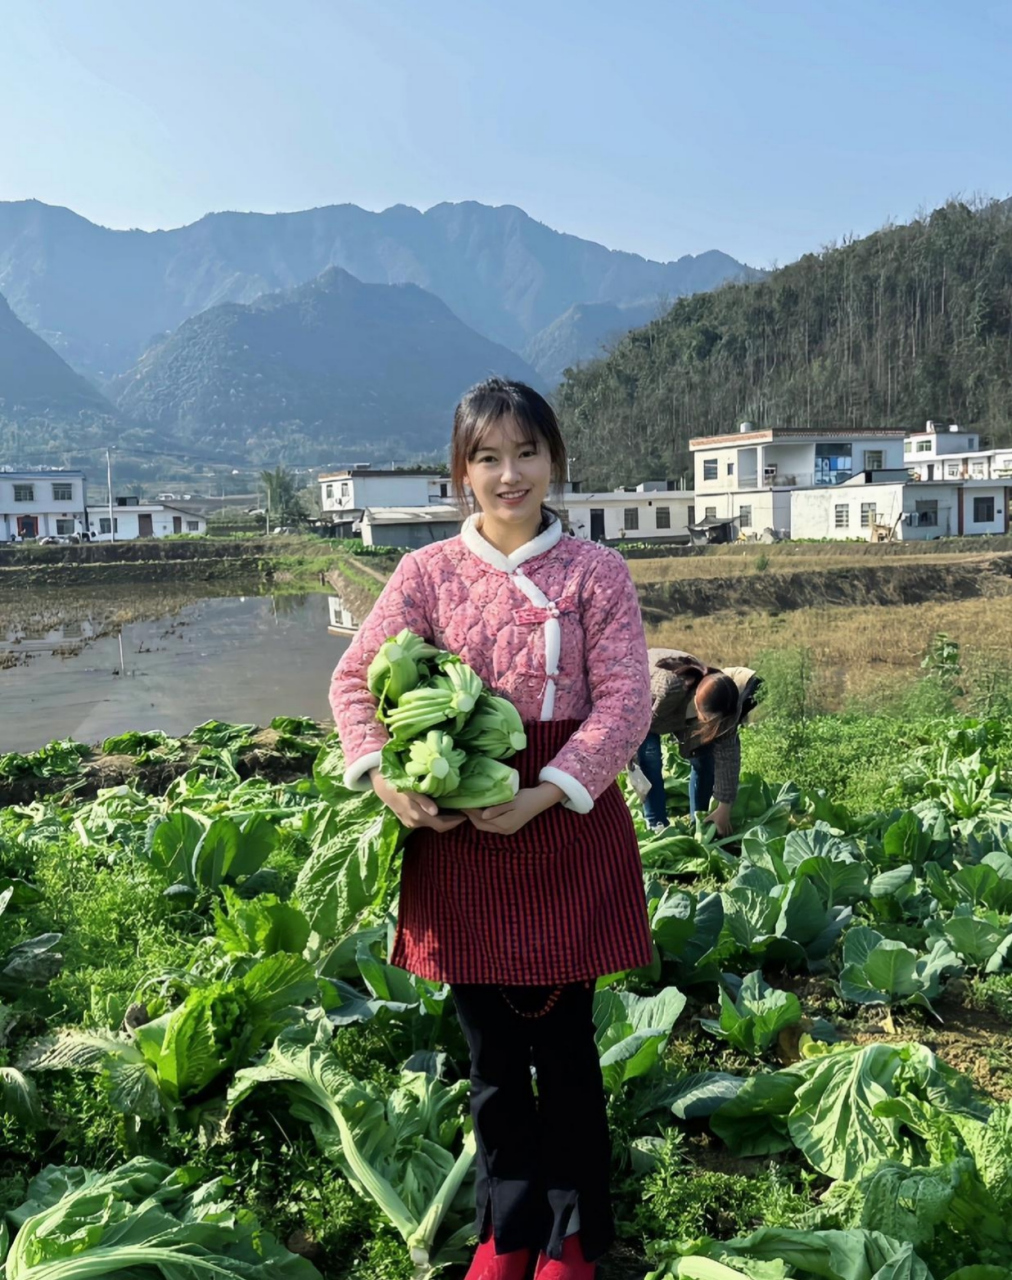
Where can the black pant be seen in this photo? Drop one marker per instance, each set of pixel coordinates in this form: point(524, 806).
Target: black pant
point(539, 1156)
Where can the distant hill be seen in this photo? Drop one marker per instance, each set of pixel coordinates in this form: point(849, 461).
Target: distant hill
point(907, 324)
point(581, 333)
point(335, 364)
point(46, 408)
point(35, 381)
point(99, 296)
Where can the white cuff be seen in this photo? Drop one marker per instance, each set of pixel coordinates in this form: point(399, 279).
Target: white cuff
point(578, 798)
point(356, 775)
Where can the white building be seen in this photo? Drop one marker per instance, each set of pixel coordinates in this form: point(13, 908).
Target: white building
point(932, 484)
point(36, 504)
point(355, 488)
point(651, 511)
point(950, 453)
point(408, 526)
point(778, 458)
point(132, 519)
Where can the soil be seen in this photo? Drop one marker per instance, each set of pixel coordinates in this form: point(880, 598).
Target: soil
point(260, 760)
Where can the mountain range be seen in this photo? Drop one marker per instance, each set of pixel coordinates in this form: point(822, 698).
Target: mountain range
point(100, 296)
point(256, 331)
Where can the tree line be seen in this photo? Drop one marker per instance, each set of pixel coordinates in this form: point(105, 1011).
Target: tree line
point(910, 323)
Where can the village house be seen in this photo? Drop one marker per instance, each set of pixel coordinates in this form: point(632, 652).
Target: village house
point(407, 526)
point(131, 519)
point(930, 484)
point(652, 511)
point(38, 504)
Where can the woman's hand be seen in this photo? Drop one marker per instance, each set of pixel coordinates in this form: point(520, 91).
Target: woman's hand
point(506, 819)
point(721, 818)
point(412, 809)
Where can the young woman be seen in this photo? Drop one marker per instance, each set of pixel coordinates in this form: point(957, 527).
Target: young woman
point(522, 906)
point(703, 707)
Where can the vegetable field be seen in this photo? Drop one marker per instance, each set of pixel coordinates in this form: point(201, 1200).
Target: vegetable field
point(209, 1068)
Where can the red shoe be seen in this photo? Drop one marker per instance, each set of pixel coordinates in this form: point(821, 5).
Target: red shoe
point(489, 1265)
point(571, 1266)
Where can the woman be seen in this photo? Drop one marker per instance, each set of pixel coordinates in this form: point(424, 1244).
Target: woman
point(703, 707)
point(521, 907)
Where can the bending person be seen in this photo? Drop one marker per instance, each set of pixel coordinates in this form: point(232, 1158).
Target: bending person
point(702, 706)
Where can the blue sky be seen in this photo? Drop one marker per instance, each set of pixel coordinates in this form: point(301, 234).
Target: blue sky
point(763, 129)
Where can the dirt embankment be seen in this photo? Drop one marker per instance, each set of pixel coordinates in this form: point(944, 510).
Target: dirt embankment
point(147, 560)
point(861, 585)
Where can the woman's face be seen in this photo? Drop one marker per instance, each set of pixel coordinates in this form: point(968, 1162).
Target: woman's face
point(510, 474)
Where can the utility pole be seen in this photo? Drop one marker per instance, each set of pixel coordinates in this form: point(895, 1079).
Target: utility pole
point(108, 471)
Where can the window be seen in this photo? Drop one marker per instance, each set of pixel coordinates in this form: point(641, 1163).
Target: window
point(103, 525)
point(730, 468)
point(745, 517)
point(867, 514)
point(927, 512)
point(329, 491)
point(664, 517)
point(193, 526)
point(873, 459)
point(832, 463)
point(922, 446)
point(64, 526)
point(344, 488)
point(709, 468)
point(24, 493)
point(983, 510)
point(841, 516)
point(631, 518)
point(63, 493)
point(770, 473)
point(977, 470)
point(952, 469)
point(711, 513)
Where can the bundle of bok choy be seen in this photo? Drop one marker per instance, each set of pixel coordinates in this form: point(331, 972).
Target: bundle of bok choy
point(448, 734)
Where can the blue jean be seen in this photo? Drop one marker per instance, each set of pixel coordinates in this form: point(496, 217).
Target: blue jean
point(701, 776)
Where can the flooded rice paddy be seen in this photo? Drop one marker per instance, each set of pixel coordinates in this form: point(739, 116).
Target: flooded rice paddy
point(87, 663)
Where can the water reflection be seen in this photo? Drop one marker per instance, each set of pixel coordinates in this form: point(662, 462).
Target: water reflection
point(89, 664)
point(342, 621)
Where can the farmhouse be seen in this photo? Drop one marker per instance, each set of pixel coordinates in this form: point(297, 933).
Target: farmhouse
point(650, 512)
point(407, 526)
point(352, 489)
point(131, 518)
point(37, 504)
point(932, 484)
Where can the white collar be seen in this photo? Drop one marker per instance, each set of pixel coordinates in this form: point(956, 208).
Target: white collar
point(479, 546)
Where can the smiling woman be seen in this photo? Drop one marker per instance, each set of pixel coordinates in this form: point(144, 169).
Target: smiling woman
point(521, 906)
point(505, 455)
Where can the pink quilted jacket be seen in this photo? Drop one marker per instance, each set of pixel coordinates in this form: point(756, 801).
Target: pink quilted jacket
point(555, 627)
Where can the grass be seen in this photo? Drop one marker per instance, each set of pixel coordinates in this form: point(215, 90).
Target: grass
point(864, 654)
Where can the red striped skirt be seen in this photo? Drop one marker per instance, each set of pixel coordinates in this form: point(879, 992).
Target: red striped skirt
point(559, 901)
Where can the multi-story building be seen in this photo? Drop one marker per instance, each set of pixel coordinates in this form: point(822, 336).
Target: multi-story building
point(930, 484)
point(36, 504)
point(355, 488)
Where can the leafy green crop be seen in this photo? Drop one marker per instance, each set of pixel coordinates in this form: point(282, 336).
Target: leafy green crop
point(164, 1065)
point(140, 1219)
point(752, 1021)
point(398, 1151)
point(878, 970)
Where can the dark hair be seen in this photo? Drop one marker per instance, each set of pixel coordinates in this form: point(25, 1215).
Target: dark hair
point(489, 402)
point(716, 695)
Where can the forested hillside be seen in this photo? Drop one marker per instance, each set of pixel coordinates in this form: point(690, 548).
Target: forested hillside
point(910, 323)
point(334, 364)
